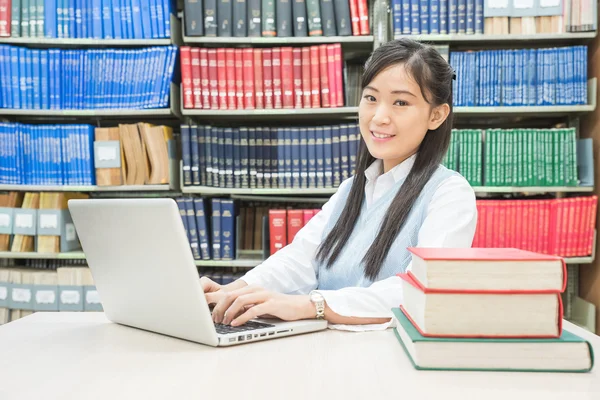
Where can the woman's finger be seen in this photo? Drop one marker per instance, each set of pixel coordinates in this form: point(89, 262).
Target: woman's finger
point(239, 305)
point(253, 312)
point(225, 300)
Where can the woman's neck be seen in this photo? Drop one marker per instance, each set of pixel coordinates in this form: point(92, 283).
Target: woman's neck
point(390, 164)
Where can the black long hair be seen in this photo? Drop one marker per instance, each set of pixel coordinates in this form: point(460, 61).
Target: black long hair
point(434, 76)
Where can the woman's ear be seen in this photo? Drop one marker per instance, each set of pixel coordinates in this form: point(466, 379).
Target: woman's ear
point(438, 116)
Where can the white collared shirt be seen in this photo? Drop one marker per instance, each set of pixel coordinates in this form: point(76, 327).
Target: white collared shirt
point(450, 222)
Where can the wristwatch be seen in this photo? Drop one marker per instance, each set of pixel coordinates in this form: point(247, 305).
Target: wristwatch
point(319, 303)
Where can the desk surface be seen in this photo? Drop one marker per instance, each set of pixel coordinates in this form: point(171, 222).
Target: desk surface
point(84, 356)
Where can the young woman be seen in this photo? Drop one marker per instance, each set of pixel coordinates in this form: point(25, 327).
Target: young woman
point(342, 265)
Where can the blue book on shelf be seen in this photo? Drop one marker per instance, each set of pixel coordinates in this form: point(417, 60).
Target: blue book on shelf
point(5, 79)
point(136, 17)
point(107, 29)
point(328, 156)
point(443, 17)
point(415, 20)
point(424, 16)
point(45, 80)
point(434, 17)
point(452, 16)
point(397, 17)
point(50, 18)
point(35, 73)
point(288, 157)
point(87, 23)
point(115, 19)
point(71, 18)
point(406, 17)
point(15, 77)
point(296, 167)
point(216, 228)
point(160, 12)
point(462, 16)
point(227, 229)
point(78, 19)
point(146, 22)
point(201, 226)
point(479, 16)
point(470, 17)
point(97, 19)
point(126, 21)
point(154, 18)
point(190, 216)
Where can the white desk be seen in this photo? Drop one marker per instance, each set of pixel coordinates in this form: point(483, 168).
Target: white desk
point(83, 356)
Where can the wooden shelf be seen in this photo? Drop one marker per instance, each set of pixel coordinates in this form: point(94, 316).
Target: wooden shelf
point(74, 255)
point(256, 192)
point(308, 40)
point(533, 189)
point(487, 39)
point(69, 188)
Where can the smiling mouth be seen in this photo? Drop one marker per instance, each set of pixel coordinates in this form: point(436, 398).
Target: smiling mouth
point(381, 135)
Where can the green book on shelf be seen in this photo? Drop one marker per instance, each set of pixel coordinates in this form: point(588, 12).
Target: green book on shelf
point(568, 353)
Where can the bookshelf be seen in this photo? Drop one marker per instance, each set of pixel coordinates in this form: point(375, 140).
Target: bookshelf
point(93, 188)
point(491, 39)
point(308, 40)
point(272, 114)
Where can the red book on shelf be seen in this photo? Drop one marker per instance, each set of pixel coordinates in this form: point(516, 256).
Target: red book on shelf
point(297, 62)
point(295, 222)
point(354, 17)
point(339, 86)
point(315, 80)
point(213, 79)
point(248, 57)
point(306, 82)
point(239, 79)
point(276, 64)
point(259, 95)
point(331, 67)
point(591, 225)
point(204, 81)
point(267, 57)
point(196, 77)
point(277, 230)
point(231, 78)
point(186, 77)
point(307, 215)
point(222, 78)
point(363, 14)
point(324, 78)
point(287, 77)
point(5, 17)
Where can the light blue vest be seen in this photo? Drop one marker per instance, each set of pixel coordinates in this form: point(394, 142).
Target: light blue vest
point(348, 270)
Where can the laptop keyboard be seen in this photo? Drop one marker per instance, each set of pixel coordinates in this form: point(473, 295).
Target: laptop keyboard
point(248, 326)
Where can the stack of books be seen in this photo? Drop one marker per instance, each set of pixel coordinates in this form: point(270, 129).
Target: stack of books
point(487, 309)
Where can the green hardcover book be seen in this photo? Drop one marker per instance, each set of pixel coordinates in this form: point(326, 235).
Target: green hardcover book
point(568, 353)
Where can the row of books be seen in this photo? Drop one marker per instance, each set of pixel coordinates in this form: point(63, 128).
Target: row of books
point(520, 77)
point(499, 310)
point(27, 290)
point(86, 79)
point(94, 19)
point(278, 77)
point(515, 157)
point(37, 222)
point(282, 18)
point(46, 154)
point(268, 157)
point(563, 227)
point(542, 17)
point(222, 276)
point(285, 224)
point(437, 17)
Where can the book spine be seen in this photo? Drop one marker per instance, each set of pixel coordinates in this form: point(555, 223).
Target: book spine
point(284, 18)
point(277, 230)
point(299, 18)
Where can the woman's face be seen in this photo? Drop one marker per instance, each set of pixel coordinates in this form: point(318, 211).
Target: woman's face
point(394, 116)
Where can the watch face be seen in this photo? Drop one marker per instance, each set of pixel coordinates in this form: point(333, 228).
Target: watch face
point(314, 297)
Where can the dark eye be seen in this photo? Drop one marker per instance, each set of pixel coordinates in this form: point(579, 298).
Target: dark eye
point(400, 103)
point(368, 97)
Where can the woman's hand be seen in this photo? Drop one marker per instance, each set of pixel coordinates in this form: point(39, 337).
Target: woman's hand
point(239, 306)
point(218, 291)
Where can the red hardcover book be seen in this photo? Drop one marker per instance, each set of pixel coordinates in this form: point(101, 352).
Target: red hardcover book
point(297, 62)
point(287, 77)
point(481, 314)
point(589, 237)
point(586, 210)
point(306, 82)
point(186, 77)
point(248, 57)
point(267, 56)
point(196, 77)
point(222, 78)
point(239, 79)
point(5, 17)
point(315, 80)
point(204, 81)
point(295, 222)
point(339, 86)
point(363, 14)
point(277, 230)
point(331, 67)
point(306, 216)
point(276, 64)
point(324, 78)
point(231, 78)
point(259, 95)
point(354, 17)
point(213, 79)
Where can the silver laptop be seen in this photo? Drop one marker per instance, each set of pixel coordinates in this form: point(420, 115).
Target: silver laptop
point(144, 271)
